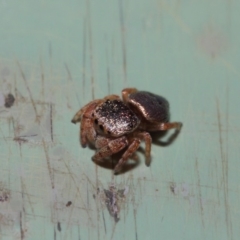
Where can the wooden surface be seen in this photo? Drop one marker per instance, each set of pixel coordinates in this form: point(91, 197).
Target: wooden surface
point(56, 56)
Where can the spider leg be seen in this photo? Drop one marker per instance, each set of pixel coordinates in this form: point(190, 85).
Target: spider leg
point(148, 142)
point(112, 97)
point(164, 126)
point(88, 107)
point(84, 115)
point(126, 92)
point(77, 117)
point(87, 132)
point(101, 141)
point(131, 149)
point(113, 146)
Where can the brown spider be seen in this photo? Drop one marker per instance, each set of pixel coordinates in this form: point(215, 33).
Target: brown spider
point(111, 124)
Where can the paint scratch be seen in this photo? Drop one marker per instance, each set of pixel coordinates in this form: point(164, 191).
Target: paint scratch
point(28, 89)
point(224, 162)
point(123, 40)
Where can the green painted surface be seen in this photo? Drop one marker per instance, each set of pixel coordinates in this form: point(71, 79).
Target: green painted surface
point(55, 56)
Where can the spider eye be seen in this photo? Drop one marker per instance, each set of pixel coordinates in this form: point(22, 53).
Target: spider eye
point(109, 132)
point(101, 127)
point(96, 121)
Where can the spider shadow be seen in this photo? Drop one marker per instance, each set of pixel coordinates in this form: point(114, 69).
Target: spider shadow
point(156, 138)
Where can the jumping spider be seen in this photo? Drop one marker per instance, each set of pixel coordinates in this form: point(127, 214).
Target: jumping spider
point(112, 124)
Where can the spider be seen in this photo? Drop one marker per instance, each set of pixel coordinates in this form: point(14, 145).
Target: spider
point(112, 124)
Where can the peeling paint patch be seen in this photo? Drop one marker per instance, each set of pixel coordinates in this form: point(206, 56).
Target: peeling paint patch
point(4, 194)
point(113, 198)
point(12, 218)
point(27, 129)
point(183, 190)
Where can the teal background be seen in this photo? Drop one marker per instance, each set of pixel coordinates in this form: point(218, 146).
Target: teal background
point(56, 56)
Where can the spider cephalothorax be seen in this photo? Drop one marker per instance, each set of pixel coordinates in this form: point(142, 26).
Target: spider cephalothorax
point(114, 118)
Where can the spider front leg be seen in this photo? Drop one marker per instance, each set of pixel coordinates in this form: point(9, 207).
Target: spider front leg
point(131, 149)
point(84, 115)
point(111, 147)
